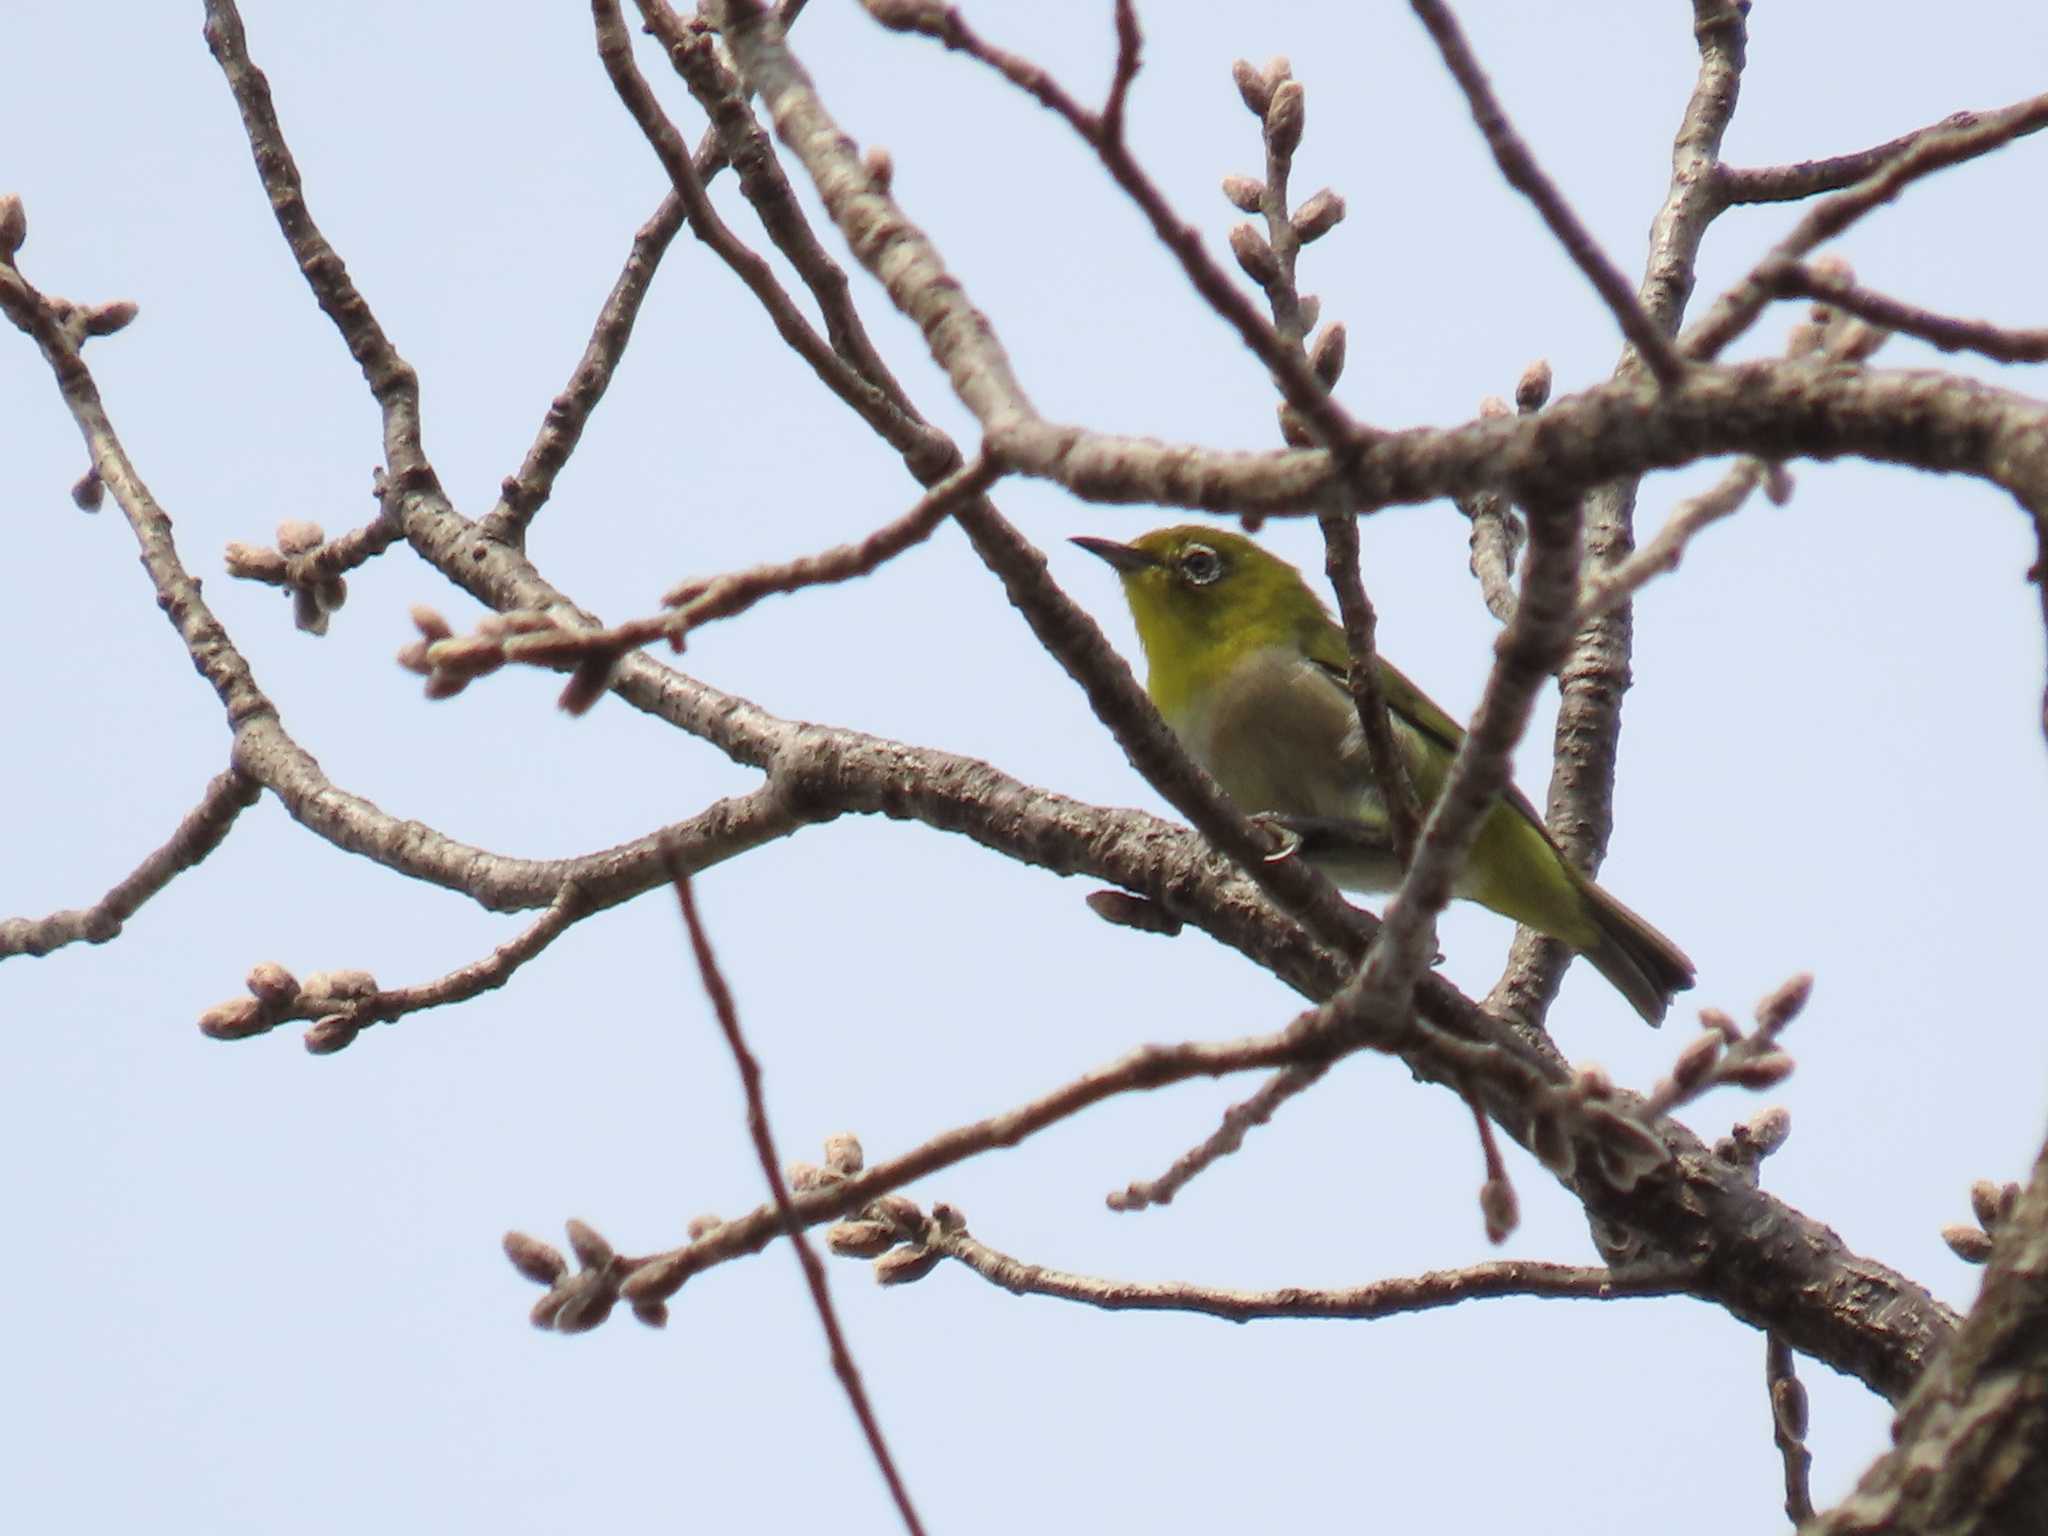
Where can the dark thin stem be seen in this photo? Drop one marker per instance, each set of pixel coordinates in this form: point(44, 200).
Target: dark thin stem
point(1810, 178)
point(1806, 280)
point(771, 1166)
point(1361, 1303)
point(1224, 1140)
point(1788, 1427)
point(202, 830)
point(1519, 166)
point(1737, 309)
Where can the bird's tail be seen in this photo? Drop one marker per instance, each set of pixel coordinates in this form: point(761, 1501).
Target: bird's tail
point(1643, 965)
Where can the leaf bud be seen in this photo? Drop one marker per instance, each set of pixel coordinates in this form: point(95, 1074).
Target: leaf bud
point(652, 1311)
point(701, 1226)
point(1788, 1407)
point(1532, 389)
point(881, 168)
point(1294, 431)
point(88, 491)
point(1500, 1209)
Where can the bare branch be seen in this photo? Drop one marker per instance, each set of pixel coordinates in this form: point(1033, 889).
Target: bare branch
point(1586, 743)
point(771, 1167)
point(1737, 309)
point(1519, 166)
point(1226, 1139)
point(202, 830)
point(449, 662)
point(1809, 178)
point(1788, 1427)
point(1290, 372)
point(1363, 1303)
point(1812, 280)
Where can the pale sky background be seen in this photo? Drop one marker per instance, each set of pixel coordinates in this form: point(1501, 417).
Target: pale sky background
point(255, 1291)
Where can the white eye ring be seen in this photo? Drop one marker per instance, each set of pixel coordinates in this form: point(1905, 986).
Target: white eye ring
point(1200, 565)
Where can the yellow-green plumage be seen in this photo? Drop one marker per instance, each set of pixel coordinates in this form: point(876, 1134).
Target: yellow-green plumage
point(1248, 667)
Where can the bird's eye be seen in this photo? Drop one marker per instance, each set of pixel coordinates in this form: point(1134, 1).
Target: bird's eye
point(1200, 565)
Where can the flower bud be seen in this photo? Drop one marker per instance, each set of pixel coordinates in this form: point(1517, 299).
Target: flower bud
point(881, 169)
point(843, 1153)
point(1254, 255)
point(861, 1239)
point(336, 1032)
point(1327, 355)
point(1318, 216)
point(105, 319)
point(297, 537)
point(14, 225)
point(1970, 1244)
point(1245, 193)
point(238, 1018)
point(591, 1250)
point(1285, 118)
point(1532, 389)
point(255, 562)
point(540, 1262)
point(88, 491)
point(272, 985)
point(901, 1266)
point(1252, 87)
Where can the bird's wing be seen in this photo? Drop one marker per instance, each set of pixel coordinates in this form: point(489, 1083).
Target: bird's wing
point(1411, 707)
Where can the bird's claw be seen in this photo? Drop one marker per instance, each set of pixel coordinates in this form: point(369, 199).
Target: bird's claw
point(1286, 841)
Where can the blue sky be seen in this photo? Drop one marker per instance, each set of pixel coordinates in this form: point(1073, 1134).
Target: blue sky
point(254, 1290)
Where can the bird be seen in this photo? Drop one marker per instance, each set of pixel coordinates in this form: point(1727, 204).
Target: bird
point(1249, 668)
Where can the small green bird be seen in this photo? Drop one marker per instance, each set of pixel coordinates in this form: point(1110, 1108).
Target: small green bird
point(1248, 668)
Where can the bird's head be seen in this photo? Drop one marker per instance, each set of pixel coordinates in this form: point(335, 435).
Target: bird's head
point(1205, 596)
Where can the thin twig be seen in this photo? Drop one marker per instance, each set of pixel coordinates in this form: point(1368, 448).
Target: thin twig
point(1368, 695)
point(1519, 166)
point(771, 1166)
point(1609, 587)
point(1736, 310)
point(1362, 1303)
point(449, 662)
point(1810, 280)
point(1788, 1427)
point(1226, 1139)
point(1809, 178)
point(1596, 674)
point(1103, 132)
point(202, 830)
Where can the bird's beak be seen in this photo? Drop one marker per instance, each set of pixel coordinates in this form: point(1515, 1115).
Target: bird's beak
point(1124, 557)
